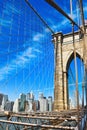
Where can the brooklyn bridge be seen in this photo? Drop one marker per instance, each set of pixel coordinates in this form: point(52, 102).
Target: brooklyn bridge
point(40, 57)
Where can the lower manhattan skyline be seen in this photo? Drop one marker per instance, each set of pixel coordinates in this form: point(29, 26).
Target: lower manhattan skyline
point(27, 103)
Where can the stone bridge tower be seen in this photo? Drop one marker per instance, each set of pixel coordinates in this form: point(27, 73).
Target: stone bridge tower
point(64, 53)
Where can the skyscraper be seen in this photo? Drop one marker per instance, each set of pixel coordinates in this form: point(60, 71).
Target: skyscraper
point(30, 96)
point(16, 105)
point(30, 100)
point(1, 98)
point(9, 106)
point(40, 96)
point(22, 102)
point(4, 100)
point(43, 104)
point(50, 103)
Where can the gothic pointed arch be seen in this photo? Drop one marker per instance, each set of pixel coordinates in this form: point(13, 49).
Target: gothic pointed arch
point(71, 57)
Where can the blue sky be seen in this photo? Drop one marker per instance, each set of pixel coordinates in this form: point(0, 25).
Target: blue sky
point(27, 53)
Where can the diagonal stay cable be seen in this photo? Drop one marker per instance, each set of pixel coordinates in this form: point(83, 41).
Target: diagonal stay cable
point(39, 16)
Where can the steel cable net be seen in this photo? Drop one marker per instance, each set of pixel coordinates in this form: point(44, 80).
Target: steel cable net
point(59, 23)
point(26, 51)
point(55, 19)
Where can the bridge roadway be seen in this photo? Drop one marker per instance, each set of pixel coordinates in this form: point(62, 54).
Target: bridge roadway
point(45, 121)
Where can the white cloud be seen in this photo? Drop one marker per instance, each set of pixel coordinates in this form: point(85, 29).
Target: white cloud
point(56, 26)
point(26, 56)
point(5, 22)
point(5, 70)
point(21, 60)
point(47, 30)
point(64, 22)
point(60, 25)
point(37, 50)
point(37, 37)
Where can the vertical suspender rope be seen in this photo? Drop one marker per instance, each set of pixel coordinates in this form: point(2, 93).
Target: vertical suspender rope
point(76, 70)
